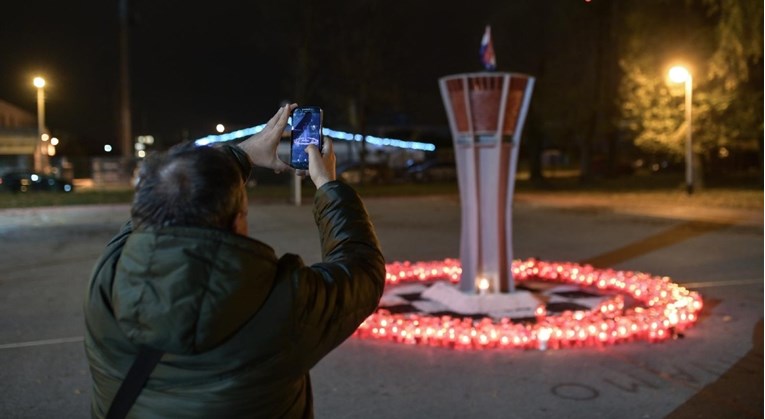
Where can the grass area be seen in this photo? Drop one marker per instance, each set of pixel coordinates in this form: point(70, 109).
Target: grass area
point(46, 199)
point(665, 190)
point(669, 189)
point(282, 193)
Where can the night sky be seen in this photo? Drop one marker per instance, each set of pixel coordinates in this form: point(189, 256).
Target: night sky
point(195, 64)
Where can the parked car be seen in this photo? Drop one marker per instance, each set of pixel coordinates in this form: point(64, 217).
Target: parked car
point(34, 182)
point(432, 171)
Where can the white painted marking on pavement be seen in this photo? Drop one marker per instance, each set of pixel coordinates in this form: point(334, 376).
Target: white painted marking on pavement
point(41, 342)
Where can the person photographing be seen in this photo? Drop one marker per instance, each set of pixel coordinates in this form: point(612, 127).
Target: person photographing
point(230, 329)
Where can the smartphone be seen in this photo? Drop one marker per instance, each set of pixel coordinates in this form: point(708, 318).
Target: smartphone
point(307, 123)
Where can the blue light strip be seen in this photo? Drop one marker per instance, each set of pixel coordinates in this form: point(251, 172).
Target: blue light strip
point(233, 135)
point(339, 135)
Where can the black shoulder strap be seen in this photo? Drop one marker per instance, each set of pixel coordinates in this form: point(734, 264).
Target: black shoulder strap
point(136, 378)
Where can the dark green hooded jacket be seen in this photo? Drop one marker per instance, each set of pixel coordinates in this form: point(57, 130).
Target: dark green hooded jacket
point(240, 328)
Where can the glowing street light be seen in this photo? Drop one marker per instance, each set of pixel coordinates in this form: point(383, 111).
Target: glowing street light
point(680, 74)
point(108, 148)
point(220, 128)
point(39, 83)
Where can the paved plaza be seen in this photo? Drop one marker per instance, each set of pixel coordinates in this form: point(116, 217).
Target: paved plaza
point(714, 370)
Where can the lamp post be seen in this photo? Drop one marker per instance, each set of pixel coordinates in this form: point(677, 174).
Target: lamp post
point(680, 74)
point(39, 83)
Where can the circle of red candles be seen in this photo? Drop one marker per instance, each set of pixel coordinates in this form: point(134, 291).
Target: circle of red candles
point(667, 309)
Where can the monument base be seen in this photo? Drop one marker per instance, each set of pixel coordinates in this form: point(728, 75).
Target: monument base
point(444, 297)
point(519, 304)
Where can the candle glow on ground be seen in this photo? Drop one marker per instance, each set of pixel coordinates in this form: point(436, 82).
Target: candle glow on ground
point(666, 310)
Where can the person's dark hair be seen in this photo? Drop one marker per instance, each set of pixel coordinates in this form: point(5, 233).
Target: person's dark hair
point(187, 186)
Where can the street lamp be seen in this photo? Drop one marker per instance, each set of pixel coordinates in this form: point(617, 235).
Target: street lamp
point(680, 74)
point(220, 128)
point(39, 83)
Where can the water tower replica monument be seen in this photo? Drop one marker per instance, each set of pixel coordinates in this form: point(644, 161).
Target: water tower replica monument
point(486, 112)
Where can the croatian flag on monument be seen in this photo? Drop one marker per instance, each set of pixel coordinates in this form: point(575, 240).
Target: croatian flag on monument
point(488, 59)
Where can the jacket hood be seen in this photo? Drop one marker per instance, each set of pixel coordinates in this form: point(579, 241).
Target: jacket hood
point(185, 290)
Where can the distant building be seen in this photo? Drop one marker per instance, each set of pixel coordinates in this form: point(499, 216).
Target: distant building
point(18, 138)
point(14, 117)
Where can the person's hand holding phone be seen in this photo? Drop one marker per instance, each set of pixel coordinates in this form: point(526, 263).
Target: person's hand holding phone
point(261, 147)
point(321, 166)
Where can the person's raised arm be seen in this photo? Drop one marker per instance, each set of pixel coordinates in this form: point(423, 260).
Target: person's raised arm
point(261, 147)
point(334, 296)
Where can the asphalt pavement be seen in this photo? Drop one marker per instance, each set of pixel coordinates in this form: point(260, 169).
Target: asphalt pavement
point(714, 370)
